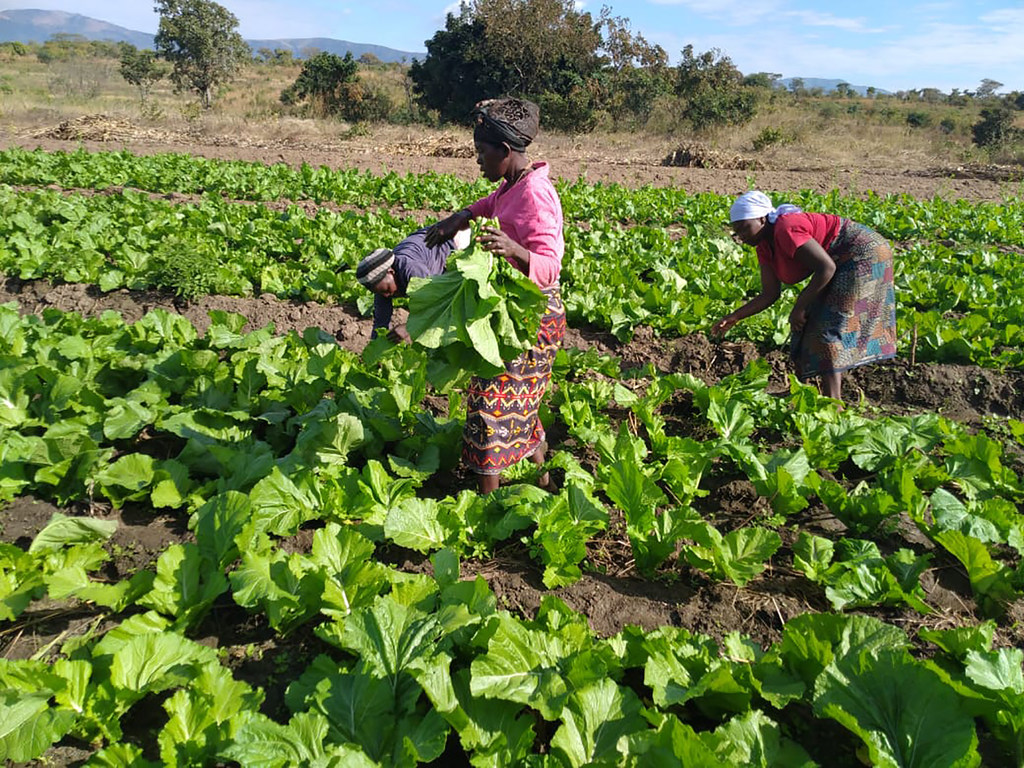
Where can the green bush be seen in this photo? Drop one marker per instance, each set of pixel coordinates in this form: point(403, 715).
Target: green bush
point(571, 113)
point(918, 119)
point(994, 128)
point(770, 136)
point(187, 270)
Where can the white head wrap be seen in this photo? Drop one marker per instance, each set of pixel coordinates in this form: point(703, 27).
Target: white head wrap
point(755, 204)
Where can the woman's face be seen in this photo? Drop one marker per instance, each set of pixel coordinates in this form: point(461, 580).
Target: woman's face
point(387, 287)
point(749, 231)
point(492, 160)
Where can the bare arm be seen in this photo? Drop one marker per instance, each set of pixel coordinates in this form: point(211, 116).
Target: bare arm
point(823, 267)
point(771, 289)
point(446, 228)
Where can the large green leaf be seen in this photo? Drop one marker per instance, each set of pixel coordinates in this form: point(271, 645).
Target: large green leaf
point(28, 726)
point(524, 666)
point(263, 743)
point(418, 524)
point(753, 739)
point(479, 313)
point(63, 530)
point(595, 718)
point(905, 714)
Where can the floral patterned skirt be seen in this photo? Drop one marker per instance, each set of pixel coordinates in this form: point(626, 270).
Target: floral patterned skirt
point(501, 420)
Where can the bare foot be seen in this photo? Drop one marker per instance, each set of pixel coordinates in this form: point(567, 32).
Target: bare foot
point(545, 483)
point(544, 479)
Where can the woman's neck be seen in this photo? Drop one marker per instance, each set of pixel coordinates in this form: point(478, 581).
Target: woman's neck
point(518, 168)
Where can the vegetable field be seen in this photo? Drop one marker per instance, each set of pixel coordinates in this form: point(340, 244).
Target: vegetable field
point(231, 542)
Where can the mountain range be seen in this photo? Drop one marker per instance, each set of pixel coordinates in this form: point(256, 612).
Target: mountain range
point(827, 84)
point(35, 26)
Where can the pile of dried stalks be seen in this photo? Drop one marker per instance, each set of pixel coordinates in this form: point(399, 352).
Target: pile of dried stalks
point(444, 145)
point(701, 156)
point(987, 171)
point(101, 128)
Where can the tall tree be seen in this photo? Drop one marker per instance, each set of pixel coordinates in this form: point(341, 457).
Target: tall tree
point(539, 41)
point(987, 88)
point(456, 74)
point(636, 72)
point(141, 69)
point(509, 47)
point(712, 89)
point(200, 40)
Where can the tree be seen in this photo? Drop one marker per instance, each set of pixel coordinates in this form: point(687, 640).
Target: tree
point(455, 74)
point(797, 86)
point(539, 42)
point(63, 46)
point(994, 128)
point(762, 80)
point(844, 91)
point(625, 49)
point(711, 88)
point(636, 73)
point(506, 47)
point(199, 39)
point(330, 85)
point(141, 69)
point(987, 88)
point(322, 83)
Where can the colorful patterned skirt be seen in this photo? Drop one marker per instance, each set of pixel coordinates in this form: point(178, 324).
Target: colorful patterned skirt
point(853, 321)
point(501, 421)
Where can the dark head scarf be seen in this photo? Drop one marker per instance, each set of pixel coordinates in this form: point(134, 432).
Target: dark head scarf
point(506, 121)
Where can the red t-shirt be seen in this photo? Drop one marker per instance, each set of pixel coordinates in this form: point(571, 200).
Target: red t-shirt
point(790, 232)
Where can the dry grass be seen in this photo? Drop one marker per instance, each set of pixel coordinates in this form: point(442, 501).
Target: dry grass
point(818, 134)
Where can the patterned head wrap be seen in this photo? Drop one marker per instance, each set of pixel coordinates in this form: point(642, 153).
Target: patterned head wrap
point(371, 269)
point(755, 204)
point(506, 121)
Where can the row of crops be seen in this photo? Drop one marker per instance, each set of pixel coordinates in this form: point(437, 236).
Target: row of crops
point(256, 438)
point(960, 291)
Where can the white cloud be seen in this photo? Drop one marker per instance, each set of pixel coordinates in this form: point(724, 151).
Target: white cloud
point(937, 55)
point(452, 8)
point(735, 12)
point(818, 19)
point(1004, 17)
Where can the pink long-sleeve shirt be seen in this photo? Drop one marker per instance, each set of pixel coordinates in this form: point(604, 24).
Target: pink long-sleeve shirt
point(531, 214)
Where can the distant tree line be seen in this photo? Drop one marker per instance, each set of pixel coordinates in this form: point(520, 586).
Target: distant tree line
point(584, 70)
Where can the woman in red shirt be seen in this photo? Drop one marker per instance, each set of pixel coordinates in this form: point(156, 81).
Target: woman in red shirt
point(846, 315)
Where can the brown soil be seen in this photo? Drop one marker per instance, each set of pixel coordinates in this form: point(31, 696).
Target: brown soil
point(642, 166)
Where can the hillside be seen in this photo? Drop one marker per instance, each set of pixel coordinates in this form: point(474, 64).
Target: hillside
point(827, 85)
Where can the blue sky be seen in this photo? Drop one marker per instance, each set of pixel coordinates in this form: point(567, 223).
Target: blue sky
point(891, 44)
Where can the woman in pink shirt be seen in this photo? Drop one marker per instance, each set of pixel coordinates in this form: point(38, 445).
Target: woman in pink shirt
point(502, 426)
point(846, 315)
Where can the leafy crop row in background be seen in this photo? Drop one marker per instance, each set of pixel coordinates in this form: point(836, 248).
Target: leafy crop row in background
point(899, 217)
point(955, 303)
